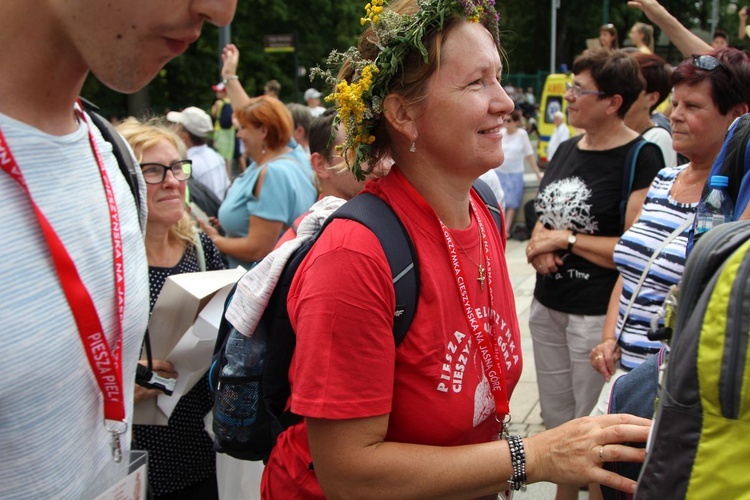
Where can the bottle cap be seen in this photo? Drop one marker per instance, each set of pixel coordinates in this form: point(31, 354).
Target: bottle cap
point(719, 181)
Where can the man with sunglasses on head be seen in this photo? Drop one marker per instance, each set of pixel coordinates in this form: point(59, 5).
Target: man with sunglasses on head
point(74, 278)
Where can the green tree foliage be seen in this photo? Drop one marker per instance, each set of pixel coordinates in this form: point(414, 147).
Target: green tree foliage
point(321, 25)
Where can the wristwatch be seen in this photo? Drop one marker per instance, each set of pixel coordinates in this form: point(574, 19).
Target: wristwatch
point(572, 239)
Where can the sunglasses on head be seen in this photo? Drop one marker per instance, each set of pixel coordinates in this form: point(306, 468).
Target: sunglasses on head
point(707, 63)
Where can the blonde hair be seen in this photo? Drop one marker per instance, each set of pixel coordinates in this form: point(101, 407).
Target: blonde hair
point(143, 135)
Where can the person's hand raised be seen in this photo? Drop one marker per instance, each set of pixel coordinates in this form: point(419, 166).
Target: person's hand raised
point(230, 58)
point(651, 8)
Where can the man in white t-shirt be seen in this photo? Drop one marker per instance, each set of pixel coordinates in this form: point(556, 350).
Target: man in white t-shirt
point(560, 135)
point(209, 167)
point(53, 441)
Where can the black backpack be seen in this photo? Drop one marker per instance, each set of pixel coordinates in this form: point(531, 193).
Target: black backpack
point(258, 415)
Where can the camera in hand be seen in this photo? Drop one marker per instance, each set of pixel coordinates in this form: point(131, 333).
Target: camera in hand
point(150, 380)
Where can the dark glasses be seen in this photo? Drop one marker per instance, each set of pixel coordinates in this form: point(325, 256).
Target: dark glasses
point(707, 63)
point(155, 173)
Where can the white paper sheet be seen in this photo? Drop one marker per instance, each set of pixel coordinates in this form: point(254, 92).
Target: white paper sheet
point(183, 334)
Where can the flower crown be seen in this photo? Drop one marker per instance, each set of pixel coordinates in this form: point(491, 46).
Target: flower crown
point(359, 102)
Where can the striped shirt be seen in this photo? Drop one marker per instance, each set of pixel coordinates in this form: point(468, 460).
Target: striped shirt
point(660, 216)
point(52, 439)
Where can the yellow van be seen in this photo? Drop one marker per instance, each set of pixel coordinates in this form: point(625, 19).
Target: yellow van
point(553, 100)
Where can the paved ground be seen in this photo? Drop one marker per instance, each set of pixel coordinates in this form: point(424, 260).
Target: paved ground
point(524, 405)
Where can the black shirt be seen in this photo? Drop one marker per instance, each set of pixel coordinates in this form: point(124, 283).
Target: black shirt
point(582, 189)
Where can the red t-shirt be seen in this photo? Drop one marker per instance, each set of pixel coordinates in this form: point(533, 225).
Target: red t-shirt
point(346, 364)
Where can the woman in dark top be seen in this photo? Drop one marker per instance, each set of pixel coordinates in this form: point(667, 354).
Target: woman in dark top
point(182, 463)
point(580, 221)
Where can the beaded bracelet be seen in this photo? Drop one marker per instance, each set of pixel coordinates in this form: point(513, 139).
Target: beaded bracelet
point(230, 78)
point(518, 459)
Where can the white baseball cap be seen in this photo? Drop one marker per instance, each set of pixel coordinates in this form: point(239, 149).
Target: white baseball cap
point(195, 120)
point(312, 94)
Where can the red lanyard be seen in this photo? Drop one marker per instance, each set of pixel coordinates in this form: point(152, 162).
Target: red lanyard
point(106, 363)
point(493, 367)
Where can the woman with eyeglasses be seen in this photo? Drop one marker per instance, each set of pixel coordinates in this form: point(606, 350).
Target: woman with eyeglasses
point(518, 151)
point(582, 213)
point(710, 91)
point(182, 463)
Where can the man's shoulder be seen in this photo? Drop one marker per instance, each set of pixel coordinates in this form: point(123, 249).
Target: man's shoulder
point(204, 154)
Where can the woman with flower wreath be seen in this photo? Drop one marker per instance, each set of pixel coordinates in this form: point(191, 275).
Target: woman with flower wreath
point(422, 419)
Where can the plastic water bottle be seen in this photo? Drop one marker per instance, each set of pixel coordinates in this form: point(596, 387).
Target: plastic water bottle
point(237, 398)
point(715, 208)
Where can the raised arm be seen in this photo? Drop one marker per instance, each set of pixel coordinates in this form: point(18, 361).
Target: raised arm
point(230, 58)
point(686, 41)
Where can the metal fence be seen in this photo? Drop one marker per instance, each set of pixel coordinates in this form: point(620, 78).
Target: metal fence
point(526, 80)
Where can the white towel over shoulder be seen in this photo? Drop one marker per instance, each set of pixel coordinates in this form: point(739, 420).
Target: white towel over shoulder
point(255, 287)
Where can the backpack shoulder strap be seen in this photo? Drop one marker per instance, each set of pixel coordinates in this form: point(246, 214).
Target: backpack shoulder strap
point(488, 197)
point(379, 217)
point(200, 254)
point(733, 161)
point(119, 149)
point(628, 175)
point(375, 214)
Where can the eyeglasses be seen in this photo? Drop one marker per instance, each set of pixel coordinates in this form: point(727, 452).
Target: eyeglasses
point(155, 173)
point(707, 63)
point(577, 91)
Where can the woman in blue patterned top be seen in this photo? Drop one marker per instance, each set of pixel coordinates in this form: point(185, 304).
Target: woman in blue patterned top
point(182, 462)
point(710, 92)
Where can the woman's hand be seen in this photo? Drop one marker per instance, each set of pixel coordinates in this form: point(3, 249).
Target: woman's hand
point(547, 263)
point(653, 9)
point(164, 369)
point(603, 358)
point(230, 58)
point(546, 241)
point(573, 453)
point(209, 229)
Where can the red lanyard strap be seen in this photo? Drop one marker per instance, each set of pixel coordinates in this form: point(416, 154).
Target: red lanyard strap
point(105, 362)
point(491, 362)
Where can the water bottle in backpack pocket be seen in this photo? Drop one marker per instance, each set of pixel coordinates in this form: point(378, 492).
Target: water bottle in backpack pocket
point(237, 401)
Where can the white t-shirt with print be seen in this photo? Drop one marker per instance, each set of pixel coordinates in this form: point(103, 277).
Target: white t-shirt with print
point(53, 443)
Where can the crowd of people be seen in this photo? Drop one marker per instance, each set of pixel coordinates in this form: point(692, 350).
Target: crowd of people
point(426, 417)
